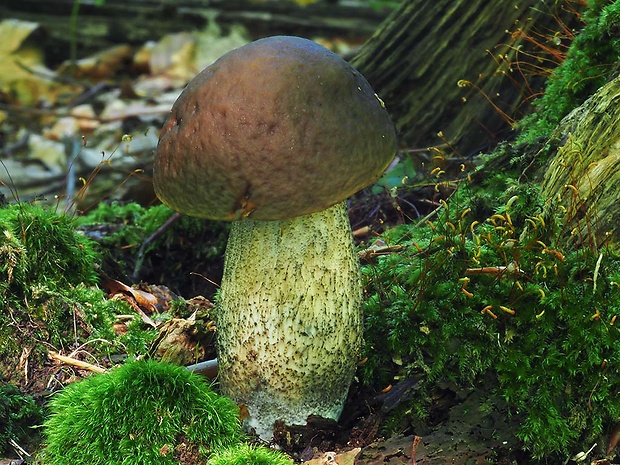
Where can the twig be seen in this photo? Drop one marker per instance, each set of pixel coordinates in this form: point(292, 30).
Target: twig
point(140, 257)
point(208, 368)
point(428, 217)
point(414, 447)
point(596, 270)
point(497, 271)
point(20, 450)
point(75, 362)
point(362, 231)
point(378, 249)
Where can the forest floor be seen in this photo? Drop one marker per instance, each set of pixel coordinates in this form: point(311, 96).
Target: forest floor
point(47, 149)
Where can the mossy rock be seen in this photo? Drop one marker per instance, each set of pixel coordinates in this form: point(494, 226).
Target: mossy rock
point(141, 413)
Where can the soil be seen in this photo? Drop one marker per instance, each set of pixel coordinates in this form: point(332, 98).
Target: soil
point(459, 431)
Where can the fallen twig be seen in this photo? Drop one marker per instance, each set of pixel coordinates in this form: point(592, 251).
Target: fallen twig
point(378, 249)
point(75, 362)
point(19, 449)
point(497, 271)
point(208, 368)
point(414, 447)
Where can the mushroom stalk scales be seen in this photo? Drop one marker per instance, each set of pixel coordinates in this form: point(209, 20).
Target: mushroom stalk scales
point(290, 322)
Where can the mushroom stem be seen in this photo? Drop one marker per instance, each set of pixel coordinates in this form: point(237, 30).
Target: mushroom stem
point(290, 324)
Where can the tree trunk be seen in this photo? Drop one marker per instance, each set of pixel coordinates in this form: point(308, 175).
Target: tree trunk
point(420, 54)
point(583, 176)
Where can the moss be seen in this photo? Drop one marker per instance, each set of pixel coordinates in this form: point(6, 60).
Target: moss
point(245, 454)
point(140, 413)
point(129, 224)
point(189, 245)
point(590, 60)
point(47, 277)
point(18, 414)
point(137, 340)
point(469, 297)
point(40, 247)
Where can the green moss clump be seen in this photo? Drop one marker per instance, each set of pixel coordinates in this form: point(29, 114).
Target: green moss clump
point(245, 454)
point(143, 412)
point(47, 278)
point(18, 413)
point(469, 299)
point(591, 58)
point(39, 247)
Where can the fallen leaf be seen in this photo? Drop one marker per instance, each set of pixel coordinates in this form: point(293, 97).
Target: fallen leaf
point(101, 66)
point(177, 58)
point(331, 458)
point(141, 301)
point(174, 56)
point(22, 72)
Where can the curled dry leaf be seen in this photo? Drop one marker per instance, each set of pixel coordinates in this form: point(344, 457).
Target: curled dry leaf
point(140, 301)
point(332, 458)
point(145, 300)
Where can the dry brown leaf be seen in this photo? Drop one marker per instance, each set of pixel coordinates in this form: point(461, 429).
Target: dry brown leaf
point(22, 72)
point(331, 458)
point(141, 301)
point(101, 66)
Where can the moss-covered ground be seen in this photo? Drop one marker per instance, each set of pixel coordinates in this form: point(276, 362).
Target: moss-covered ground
point(52, 279)
point(470, 300)
point(485, 296)
point(479, 295)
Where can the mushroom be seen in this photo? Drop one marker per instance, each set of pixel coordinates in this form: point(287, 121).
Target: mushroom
point(275, 136)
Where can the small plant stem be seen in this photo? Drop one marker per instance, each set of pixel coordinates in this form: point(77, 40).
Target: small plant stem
point(73, 33)
point(140, 258)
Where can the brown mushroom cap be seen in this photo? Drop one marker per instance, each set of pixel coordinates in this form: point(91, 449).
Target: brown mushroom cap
point(278, 128)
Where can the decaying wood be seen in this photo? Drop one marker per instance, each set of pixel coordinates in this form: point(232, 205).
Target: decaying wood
point(583, 176)
point(420, 54)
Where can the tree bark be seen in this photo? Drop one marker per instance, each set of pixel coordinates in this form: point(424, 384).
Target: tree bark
point(418, 56)
point(583, 176)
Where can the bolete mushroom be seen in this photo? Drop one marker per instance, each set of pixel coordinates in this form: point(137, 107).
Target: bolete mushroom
point(275, 136)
